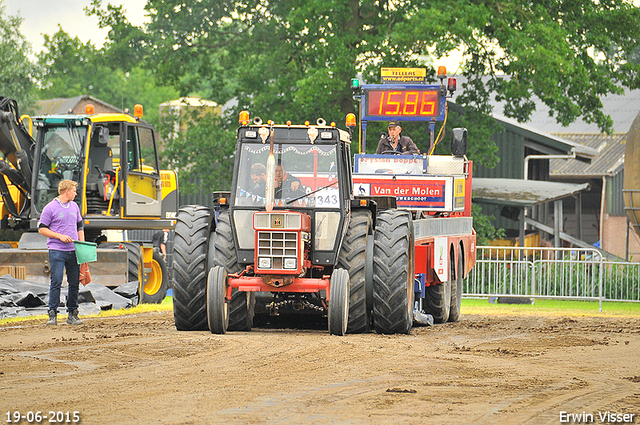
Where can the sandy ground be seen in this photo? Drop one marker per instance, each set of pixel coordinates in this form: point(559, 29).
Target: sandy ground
point(485, 369)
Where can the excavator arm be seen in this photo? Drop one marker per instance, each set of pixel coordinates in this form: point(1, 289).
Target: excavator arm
point(16, 144)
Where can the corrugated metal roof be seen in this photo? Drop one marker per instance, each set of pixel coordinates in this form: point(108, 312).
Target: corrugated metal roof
point(521, 193)
point(552, 140)
point(551, 143)
point(622, 109)
point(608, 161)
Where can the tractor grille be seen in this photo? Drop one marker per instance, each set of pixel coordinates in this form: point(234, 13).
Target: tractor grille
point(277, 246)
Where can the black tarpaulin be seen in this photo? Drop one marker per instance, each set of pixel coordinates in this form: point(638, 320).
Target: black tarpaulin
point(20, 298)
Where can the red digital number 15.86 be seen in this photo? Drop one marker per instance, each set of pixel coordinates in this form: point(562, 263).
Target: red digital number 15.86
point(400, 102)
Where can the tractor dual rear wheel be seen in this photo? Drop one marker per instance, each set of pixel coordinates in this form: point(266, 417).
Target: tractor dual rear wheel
point(190, 267)
point(393, 272)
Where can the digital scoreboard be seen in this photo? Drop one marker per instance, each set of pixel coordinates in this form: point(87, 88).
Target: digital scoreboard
point(402, 103)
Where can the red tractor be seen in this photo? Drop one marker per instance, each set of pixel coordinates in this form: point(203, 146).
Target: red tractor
point(294, 237)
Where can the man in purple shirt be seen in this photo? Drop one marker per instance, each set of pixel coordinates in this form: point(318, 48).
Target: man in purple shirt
point(61, 222)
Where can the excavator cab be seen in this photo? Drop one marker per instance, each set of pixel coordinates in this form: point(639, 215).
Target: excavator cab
point(59, 157)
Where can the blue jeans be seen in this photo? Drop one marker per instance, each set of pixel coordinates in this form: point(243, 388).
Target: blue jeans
point(58, 261)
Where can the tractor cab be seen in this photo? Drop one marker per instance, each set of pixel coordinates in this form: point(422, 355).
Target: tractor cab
point(301, 168)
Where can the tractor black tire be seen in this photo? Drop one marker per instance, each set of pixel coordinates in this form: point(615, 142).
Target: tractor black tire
point(353, 258)
point(242, 304)
point(393, 272)
point(155, 289)
point(437, 300)
point(338, 316)
point(217, 306)
point(456, 291)
point(190, 267)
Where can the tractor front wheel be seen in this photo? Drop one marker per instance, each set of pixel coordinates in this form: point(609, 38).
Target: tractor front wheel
point(339, 302)
point(456, 292)
point(242, 304)
point(217, 307)
point(353, 258)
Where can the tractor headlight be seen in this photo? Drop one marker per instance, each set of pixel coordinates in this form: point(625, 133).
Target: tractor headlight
point(264, 263)
point(290, 263)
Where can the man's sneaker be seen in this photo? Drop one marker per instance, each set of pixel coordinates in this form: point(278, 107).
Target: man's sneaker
point(73, 318)
point(53, 318)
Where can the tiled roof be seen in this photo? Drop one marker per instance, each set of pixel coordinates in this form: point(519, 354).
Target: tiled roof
point(61, 106)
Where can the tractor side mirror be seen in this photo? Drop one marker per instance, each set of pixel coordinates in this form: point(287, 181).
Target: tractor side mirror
point(459, 142)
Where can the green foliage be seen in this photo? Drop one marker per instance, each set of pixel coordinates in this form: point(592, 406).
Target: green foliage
point(288, 59)
point(74, 68)
point(293, 60)
point(485, 231)
point(127, 45)
point(203, 153)
point(18, 76)
point(559, 51)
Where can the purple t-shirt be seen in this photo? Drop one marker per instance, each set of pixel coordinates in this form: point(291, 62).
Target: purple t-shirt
point(63, 219)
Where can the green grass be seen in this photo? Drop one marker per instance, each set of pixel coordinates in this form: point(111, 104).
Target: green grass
point(165, 305)
point(553, 308)
point(469, 306)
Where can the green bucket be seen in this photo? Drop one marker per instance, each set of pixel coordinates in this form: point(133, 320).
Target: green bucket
point(86, 252)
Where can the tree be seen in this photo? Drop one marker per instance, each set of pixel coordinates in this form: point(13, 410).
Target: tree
point(291, 59)
point(203, 154)
point(73, 68)
point(127, 46)
point(19, 74)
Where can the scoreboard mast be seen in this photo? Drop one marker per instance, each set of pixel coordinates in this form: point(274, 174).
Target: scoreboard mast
point(403, 96)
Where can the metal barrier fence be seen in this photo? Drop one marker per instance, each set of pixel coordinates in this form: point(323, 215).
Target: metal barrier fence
point(556, 273)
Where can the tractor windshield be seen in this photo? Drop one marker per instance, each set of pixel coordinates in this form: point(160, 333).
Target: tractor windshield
point(59, 159)
point(305, 176)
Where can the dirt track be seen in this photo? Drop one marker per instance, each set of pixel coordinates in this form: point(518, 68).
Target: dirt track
point(482, 370)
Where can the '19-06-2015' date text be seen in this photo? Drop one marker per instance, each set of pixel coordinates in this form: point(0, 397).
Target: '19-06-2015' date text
point(37, 417)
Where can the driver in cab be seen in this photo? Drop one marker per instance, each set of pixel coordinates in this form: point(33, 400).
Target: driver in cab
point(395, 143)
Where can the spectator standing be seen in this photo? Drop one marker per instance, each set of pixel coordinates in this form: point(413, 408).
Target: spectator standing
point(61, 222)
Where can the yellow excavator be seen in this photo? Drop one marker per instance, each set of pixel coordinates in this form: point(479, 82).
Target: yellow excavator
point(114, 159)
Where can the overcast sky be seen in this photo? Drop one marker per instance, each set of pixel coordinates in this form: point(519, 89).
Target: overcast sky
point(43, 16)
